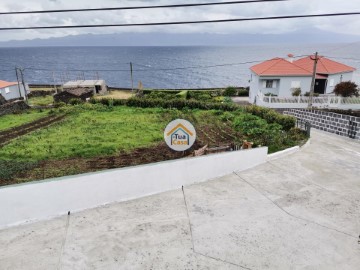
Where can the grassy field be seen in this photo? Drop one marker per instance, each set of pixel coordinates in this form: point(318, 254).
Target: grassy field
point(14, 120)
point(89, 133)
point(95, 137)
point(41, 101)
point(117, 94)
point(42, 89)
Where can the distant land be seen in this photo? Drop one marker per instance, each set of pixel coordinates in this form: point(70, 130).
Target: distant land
point(176, 39)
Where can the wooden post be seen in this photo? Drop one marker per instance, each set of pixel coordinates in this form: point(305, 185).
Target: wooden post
point(313, 81)
point(56, 91)
point(132, 78)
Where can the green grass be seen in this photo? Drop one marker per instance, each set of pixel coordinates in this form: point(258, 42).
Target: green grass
point(14, 120)
point(90, 133)
point(95, 130)
point(41, 101)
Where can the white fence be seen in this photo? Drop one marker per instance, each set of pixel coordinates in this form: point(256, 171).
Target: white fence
point(46, 199)
point(302, 102)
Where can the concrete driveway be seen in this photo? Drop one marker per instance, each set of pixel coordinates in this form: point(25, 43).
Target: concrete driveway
point(297, 212)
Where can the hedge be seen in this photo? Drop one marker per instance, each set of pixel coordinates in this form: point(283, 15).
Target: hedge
point(271, 116)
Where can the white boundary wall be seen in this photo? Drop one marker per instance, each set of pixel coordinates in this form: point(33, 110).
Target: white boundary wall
point(46, 199)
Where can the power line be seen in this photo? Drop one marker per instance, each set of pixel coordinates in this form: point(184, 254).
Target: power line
point(149, 68)
point(138, 7)
point(345, 58)
point(183, 22)
point(144, 70)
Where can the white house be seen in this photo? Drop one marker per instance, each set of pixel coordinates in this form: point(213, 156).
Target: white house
point(98, 86)
point(280, 76)
point(13, 90)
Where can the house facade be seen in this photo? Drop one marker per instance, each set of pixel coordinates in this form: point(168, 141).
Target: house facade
point(10, 90)
point(280, 77)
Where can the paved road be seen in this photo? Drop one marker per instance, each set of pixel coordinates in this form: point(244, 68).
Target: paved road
point(298, 212)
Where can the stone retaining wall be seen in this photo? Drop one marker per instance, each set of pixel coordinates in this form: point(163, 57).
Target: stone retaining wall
point(327, 121)
point(13, 107)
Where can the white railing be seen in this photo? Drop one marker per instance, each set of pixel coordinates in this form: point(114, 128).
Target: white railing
point(302, 102)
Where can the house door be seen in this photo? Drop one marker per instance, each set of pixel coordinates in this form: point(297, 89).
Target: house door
point(98, 88)
point(320, 86)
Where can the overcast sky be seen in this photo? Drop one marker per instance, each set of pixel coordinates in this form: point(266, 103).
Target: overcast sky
point(345, 25)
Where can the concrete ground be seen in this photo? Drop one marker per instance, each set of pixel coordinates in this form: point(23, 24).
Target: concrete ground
point(297, 212)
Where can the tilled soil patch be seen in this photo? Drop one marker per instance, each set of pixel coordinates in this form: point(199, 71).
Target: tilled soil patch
point(10, 134)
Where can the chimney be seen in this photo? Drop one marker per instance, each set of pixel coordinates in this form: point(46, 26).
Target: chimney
point(290, 58)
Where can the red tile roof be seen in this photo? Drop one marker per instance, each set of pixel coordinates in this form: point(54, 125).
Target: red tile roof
point(4, 84)
point(279, 66)
point(325, 65)
point(301, 67)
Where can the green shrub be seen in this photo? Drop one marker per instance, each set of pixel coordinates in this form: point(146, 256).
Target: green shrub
point(200, 95)
point(227, 116)
point(307, 94)
point(346, 89)
point(243, 92)
point(59, 104)
point(296, 92)
point(228, 100)
point(75, 101)
point(230, 91)
point(287, 122)
point(269, 115)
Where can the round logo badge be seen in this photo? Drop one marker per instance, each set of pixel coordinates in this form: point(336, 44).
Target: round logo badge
point(180, 135)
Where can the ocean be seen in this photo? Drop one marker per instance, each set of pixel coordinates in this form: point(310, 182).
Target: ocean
point(157, 67)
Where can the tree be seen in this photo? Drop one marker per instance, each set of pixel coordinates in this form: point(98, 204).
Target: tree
point(346, 89)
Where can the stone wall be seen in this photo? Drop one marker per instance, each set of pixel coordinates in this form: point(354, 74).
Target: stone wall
point(13, 107)
point(327, 121)
point(40, 93)
point(2, 100)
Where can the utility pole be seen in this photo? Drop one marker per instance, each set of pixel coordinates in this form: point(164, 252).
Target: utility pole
point(313, 81)
point(55, 87)
point(132, 78)
point(23, 83)
point(17, 77)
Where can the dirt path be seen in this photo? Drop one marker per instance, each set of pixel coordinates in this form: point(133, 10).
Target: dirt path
point(13, 133)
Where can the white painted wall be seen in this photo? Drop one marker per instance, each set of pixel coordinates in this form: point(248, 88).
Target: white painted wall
point(336, 78)
point(283, 85)
point(14, 91)
point(46, 199)
point(286, 85)
point(254, 87)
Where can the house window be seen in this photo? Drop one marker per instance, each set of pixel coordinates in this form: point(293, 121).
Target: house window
point(269, 83)
point(332, 82)
point(7, 90)
point(295, 84)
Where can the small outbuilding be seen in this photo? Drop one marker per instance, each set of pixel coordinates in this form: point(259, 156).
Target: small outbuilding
point(98, 86)
point(77, 93)
point(13, 90)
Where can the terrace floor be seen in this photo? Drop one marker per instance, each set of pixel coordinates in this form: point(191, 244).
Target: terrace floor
point(297, 212)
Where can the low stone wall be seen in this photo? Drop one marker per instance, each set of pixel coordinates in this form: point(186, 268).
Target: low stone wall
point(40, 93)
point(327, 121)
point(13, 107)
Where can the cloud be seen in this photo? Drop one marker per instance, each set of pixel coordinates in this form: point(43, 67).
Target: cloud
point(346, 25)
